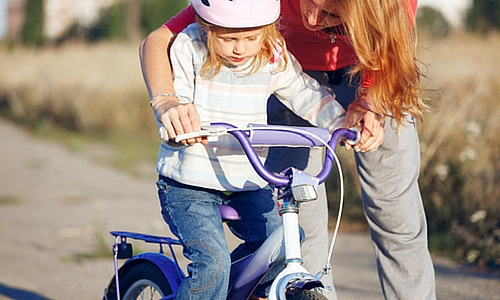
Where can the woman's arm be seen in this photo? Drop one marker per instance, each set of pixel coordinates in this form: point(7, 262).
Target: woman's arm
point(157, 73)
point(155, 63)
point(304, 96)
point(154, 53)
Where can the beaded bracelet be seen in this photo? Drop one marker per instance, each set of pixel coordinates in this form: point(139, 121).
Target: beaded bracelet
point(163, 95)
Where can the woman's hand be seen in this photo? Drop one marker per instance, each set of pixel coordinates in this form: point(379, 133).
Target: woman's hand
point(178, 118)
point(369, 123)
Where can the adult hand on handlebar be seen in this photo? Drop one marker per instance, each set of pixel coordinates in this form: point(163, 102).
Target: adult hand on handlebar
point(369, 123)
point(178, 119)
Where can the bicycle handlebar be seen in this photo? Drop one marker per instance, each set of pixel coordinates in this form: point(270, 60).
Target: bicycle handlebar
point(275, 135)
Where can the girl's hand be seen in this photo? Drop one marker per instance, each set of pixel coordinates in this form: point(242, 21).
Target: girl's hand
point(369, 123)
point(178, 119)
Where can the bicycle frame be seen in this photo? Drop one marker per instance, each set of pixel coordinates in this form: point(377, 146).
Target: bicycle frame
point(292, 187)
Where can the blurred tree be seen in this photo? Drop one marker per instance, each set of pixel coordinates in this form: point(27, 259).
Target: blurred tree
point(32, 32)
point(432, 22)
point(111, 24)
point(133, 20)
point(483, 16)
point(157, 12)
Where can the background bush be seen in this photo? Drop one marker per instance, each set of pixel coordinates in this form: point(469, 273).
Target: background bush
point(432, 22)
point(483, 16)
point(32, 32)
point(128, 20)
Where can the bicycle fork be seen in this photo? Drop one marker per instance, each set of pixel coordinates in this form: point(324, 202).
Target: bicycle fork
point(294, 277)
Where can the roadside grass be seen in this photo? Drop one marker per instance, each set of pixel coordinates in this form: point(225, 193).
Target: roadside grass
point(102, 249)
point(7, 200)
point(89, 96)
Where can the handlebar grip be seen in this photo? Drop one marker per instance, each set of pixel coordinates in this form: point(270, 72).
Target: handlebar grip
point(190, 135)
point(162, 132)
point(352, 136)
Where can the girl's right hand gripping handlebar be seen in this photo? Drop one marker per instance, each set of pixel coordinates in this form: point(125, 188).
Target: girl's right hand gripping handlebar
point(276, 135)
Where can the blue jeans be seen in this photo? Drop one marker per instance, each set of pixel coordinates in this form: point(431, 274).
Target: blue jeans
point(193, 216)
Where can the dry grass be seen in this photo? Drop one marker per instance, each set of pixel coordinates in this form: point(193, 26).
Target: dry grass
point(83, 88)
point(464, 127)
point(459, 141)
point(90, 92)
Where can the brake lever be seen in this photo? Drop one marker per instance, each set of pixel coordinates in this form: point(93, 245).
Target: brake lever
point(191, 135)
point(206, 131)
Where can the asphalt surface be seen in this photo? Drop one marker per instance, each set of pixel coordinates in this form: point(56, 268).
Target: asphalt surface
point(57, 207)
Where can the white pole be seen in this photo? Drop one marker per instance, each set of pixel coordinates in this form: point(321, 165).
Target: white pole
point(292, 236)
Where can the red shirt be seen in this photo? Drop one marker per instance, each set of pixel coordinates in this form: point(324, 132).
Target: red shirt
point(313, 49)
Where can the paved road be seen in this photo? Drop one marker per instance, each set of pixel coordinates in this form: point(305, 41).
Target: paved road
point(56, 205)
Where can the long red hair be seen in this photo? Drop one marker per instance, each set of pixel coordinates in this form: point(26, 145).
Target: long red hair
point(384, 38)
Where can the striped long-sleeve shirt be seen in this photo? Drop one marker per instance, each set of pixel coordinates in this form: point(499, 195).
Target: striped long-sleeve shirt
point(235, 97)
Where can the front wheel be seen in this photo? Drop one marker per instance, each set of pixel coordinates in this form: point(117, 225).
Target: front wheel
point(142, 281)
point(307, 295)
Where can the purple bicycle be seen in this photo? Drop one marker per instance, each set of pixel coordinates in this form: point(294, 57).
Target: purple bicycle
point(156, 275)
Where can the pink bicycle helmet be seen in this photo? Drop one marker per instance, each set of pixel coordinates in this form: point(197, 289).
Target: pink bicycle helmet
point(238, 13)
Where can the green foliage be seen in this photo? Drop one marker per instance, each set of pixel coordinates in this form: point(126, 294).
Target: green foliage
point(112, 23)
point(32, 32)
point(157, 12)
point(432, 22)
point(483, 16)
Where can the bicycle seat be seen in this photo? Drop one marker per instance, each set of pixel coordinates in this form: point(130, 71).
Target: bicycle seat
point(228, 213)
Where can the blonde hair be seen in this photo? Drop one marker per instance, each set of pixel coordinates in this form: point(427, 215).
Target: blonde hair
point(384, 38)
point(273, 41)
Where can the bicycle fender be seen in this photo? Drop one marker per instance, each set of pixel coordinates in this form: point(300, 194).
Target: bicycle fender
point(173, 273)
point(302, 285)
point(291, 275)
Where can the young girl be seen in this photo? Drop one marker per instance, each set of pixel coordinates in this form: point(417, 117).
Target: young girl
point(225, 67)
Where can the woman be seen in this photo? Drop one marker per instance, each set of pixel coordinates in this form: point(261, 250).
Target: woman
point(373, 41)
